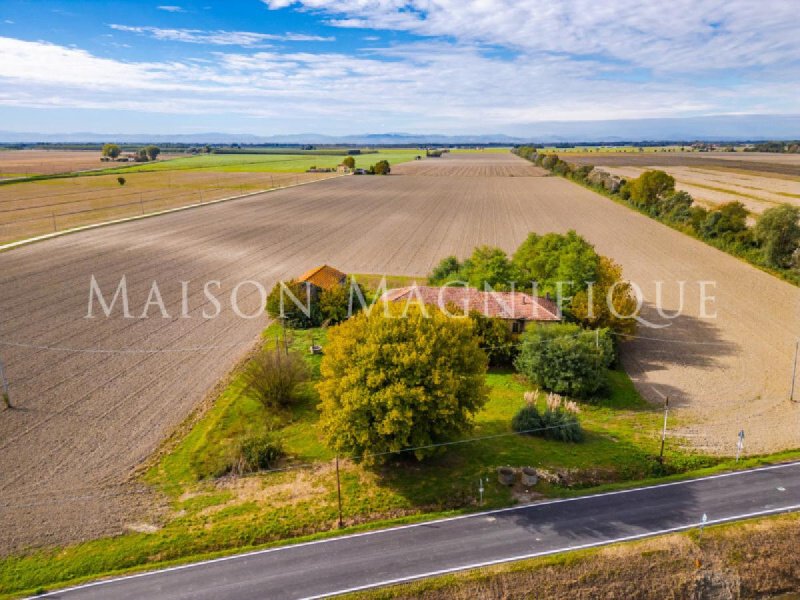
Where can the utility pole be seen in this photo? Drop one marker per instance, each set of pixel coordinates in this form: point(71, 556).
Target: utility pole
point(664, 430)
point(4, 381)
point(794, 370)
point(339, 492)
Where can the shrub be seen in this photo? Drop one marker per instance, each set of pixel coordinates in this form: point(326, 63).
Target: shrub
point(349, 162)
point(301, 315)
point(557, 424)
point(565, 358)
point(778, 232)
point(256, 453)
point(121, 180)
point(496, 339)
point(334, 304)
point(447, 268)
point(273, 377)
point(381, 168)
point(394, 383)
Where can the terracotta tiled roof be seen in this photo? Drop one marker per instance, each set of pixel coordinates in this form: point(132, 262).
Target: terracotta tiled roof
point(505, 305)
point(324, 277)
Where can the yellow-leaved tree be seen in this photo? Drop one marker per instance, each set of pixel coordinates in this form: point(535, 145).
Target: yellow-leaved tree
point(598, 313)
point(409, 380)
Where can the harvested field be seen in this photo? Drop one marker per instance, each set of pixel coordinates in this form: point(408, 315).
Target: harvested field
point(712, 187)
point(39, 207)
point(469, 165)
point(24, 163)
point(96, 396)
point(760, 162)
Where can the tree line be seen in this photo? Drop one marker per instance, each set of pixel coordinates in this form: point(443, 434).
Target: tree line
point(772, 242)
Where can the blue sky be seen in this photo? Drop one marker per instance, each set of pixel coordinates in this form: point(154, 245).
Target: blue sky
point(334, 67)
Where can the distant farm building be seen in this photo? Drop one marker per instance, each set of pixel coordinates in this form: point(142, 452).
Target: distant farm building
point(518, 308)
point(323, 277)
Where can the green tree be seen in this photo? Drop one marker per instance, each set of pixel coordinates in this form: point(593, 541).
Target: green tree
point(141, 155)
point(334, 304)
point(649, 188)
point(111, 150)
point(394, 383)
point(445, 271)
point(381, 168)
point(553, 258)
point(729, 218)
point(496, 339)
point(612, 304)
point(566, 359)
point(778, 232)
point(152, 152)
point(489, 265)
point(349, 162)
point(302, 313)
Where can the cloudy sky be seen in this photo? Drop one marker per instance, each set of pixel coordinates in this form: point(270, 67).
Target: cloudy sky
point(329, 66)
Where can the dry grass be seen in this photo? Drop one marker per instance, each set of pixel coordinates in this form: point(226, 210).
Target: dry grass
point(40, 207)
point(714, 186)
point(750, 560)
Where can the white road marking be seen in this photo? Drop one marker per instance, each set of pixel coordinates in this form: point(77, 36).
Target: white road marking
point(455, 518)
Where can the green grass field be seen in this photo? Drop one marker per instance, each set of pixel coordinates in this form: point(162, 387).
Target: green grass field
point(269, 163)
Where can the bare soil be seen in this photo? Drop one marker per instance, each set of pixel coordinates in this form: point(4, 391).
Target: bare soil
point(95, 397)
point(24, 163)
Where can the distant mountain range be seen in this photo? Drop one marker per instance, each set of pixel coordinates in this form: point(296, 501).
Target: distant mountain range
point(710, 128)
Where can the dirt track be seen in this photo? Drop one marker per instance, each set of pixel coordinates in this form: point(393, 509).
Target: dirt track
point(86, 419)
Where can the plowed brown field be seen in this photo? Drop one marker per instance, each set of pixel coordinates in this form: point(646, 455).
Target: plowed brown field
point(96, 396)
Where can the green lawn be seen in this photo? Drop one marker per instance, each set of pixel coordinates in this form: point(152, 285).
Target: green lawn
point(269, 163)
point(212, 516)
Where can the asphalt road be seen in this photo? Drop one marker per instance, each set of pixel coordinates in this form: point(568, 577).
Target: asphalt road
point(328, 567)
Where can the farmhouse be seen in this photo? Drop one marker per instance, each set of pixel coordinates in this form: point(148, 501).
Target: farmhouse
point(323, 277)
point(518, 308)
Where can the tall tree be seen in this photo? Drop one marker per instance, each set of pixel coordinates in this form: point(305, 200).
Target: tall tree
point(778, 232)
point(389, 384)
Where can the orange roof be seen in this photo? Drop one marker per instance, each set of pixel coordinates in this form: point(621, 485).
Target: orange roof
point(505, 305)
point(323, 277)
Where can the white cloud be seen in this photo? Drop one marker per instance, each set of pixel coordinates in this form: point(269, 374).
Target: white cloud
point(679, 36)
point(434, 85)
point(219, 37)
point(171, 8)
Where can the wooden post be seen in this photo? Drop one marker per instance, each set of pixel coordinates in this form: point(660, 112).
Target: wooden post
point(664, 430)
point(339, 492)
point(794, 370)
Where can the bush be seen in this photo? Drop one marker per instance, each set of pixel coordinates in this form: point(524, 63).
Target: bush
point(273, 377)
point(557, 424)
point(447, 269)
point(121, 180)
point(394, 383)
point(778, 232)
point(566, 359)
point(380, 168)
point(306, 314)
point(257, 453)
point(496, 339)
